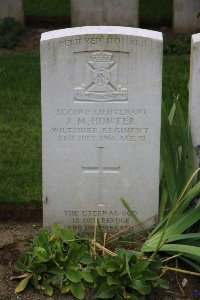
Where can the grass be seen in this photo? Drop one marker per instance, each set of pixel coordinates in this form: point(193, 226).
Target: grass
point(153, 10)
point(20, 121)
point(175, 80)
point(20, 129)
point(149, 10)
point(58, 8)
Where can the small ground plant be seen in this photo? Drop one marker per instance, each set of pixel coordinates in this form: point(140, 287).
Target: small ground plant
point(60, 259)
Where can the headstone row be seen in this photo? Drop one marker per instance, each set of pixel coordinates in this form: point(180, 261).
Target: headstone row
point(186, 13)
point(104, 12)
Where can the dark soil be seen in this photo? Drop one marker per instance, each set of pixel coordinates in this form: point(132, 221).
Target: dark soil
point(29, 41)
point(14, 236)
point(47, 21)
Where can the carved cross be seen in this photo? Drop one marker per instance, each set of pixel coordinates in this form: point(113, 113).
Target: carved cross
point(100, 170)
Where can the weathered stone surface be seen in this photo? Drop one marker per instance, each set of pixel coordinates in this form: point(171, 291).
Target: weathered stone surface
point(12, 8)
point(186, 17)
point(104, 12)
point(101, 103)
point(194, 103)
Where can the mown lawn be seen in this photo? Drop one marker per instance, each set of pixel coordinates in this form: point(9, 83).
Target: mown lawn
point(20, 128)
point(175, 80)
point(148, 10)
point(57, 8)
point(20, 120)
point(152, 10)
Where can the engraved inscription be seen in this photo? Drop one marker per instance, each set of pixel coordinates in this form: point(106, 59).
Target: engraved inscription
point(100, 170)
point(102, 125)
point(109, 220)
point(91, 41)
point(80, 41)
point(101, 80)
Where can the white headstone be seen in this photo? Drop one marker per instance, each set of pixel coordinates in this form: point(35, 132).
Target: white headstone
point(104, 12)
point(12, 8)
point(194, 103)
point(101, 103)
point(186, 18)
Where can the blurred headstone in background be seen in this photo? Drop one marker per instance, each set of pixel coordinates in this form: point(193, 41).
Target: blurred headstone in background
point(12, 8)
point(186, 16)
point(104, 12)
point(194, 103)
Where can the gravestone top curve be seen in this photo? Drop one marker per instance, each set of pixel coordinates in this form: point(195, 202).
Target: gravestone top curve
point(101, 30)
point(196, 38)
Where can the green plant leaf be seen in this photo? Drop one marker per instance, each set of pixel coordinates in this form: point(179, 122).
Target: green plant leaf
point(56, 270)
point(149, 275)
point(86, 259)
point(22, 285)
point(155, 266)
point(172, 114)
point(39, 268)
point(78, 290)
point(47, 289)
point(42, 239)
point(161, 283)
point(168, 154)
point(133, 297)
point(141, 265)
point(40, 255)
point(65, 287)
point(163, 201)
point(184, 249)
point(131, 254)
point(192, 264)
point(176, 226)
point(34, 280)
point(87, 275)
point(119, 297)
point(56, 229)
point(52, 238)
point(25, 275)
point(105, 291)
point(21, 267)
point(111, 266)
point(112, 281)
point(57, 280)
point(127, 266)
point(101, 271)
point(73, 275)
point(67, 235)
point(188, 236)
point(77, 251)
point(141, 286)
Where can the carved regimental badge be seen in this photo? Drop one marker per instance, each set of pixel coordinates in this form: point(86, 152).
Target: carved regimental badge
point(101, 80)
